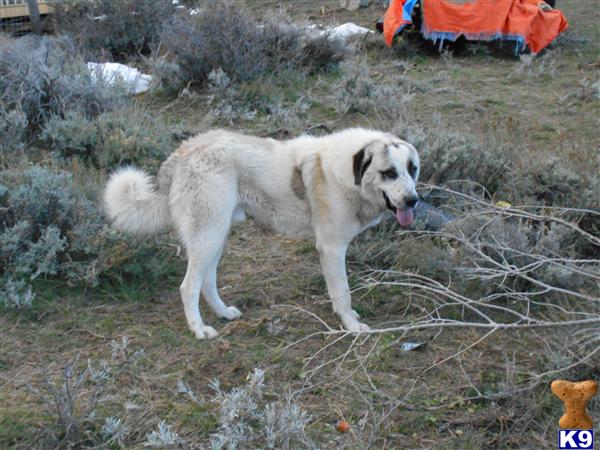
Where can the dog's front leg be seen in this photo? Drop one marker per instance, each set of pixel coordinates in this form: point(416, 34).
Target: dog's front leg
point(333, 263)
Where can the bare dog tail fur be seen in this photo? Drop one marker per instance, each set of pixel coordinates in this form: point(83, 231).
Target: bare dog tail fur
point(133, 203)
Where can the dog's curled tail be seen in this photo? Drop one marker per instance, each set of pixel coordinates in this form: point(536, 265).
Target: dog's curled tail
point(133, 203)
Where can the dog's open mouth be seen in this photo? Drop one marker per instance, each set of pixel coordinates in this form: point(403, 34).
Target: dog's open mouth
point(404, 216)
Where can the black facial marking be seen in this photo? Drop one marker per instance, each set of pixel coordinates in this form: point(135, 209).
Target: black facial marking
point(389, 174)
point(412, 169)
point(360, 165)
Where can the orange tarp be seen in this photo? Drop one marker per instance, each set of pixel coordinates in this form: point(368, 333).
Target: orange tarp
point(524, 21)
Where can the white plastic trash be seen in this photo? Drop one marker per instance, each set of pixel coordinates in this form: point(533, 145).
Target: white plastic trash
point(342, 32)
point(347, 30)
point(134, 81)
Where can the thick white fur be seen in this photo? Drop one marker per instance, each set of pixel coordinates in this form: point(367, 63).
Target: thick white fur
point(132, 203)
point(304, 187)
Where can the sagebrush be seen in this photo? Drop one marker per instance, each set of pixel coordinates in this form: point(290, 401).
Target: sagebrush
point(54, 227)
point(223, 37)
point(119, 29)
point(43, 77)
point(124, 136)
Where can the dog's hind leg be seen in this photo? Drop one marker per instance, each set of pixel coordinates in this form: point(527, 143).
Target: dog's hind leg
point(203, 250)
point(211, 294)
point(202, 208)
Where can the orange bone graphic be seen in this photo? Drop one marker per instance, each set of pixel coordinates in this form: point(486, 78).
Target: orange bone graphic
point(575, 396)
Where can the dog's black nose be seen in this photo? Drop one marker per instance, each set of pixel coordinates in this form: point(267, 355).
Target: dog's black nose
point(410, 201)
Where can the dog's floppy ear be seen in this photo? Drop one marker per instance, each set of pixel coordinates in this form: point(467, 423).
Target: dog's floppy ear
point(360, 164)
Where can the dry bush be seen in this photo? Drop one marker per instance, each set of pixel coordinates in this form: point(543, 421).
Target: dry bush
point(45, 77)
point(588, 90)
point(78, 396)
point(73, 399)
point(54, 227)
point(53, 224)
point(41, 79)
point(553, 182)
point(87, 407)
point(537, 67)
point(244, 101)
point(570, 41)
point(455, 156)
point(121, 28)
point(497, 268)
point(13, 128)
point(123, 136)
point(360, 93)
point(227, 38)
point(246, 420)
point(163, 438)
point(514, 281)
point(48, 227)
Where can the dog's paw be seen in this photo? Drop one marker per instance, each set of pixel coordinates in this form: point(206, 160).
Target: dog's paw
point(205, 332)
point(353, 325)
point(357, 327)
point(230, 313)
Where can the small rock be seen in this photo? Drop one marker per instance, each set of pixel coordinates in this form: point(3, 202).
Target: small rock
point(430, 218)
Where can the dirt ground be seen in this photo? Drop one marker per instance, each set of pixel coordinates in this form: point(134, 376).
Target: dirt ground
point(392, 399)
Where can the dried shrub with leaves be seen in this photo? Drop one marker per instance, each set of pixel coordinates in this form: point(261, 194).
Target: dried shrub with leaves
point(245, 101)
point(44, 77)
point(224, 37)
point(246, 420)
point(46, 219)
point(54, 227)
point(120, 28)
point(360, 93)
point(78, 395)
point(123, 136)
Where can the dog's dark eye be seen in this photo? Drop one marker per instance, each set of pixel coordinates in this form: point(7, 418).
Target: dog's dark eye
point(390, 174)
point(412, 169)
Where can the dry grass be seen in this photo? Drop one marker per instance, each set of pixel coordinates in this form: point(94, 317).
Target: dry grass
point(391, 397)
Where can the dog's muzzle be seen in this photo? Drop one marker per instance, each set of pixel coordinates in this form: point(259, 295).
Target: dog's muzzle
point(405, 216)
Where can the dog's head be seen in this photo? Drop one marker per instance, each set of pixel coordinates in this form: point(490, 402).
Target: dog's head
point(387, 171)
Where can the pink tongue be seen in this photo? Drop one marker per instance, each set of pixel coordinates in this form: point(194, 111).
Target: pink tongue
point(405, 217)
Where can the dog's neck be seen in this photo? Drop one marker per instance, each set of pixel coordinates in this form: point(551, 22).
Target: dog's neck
point(369, 214)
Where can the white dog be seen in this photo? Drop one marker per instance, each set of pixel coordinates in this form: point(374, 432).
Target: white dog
point(330, 188)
